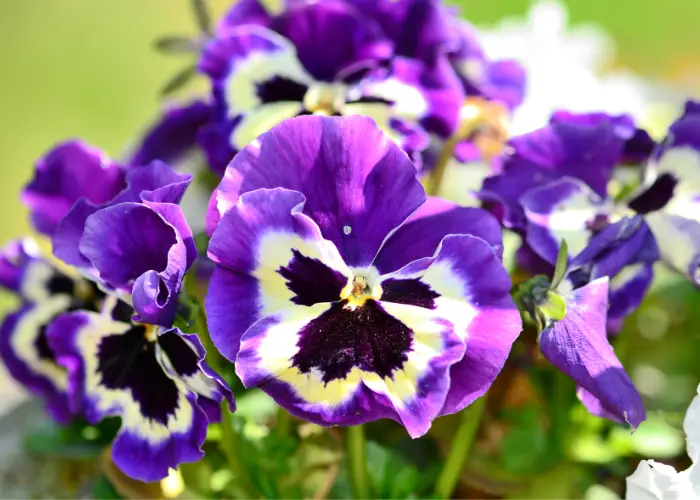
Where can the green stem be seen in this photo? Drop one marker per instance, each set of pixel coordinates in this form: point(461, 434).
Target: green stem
point(434, 182)
point(283, 425)
point(461, 445)
point(230, 444)
point(357, 459)
point(214, 359)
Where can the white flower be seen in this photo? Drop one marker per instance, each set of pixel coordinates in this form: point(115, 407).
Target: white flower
point(657, 481)
point(563, 65)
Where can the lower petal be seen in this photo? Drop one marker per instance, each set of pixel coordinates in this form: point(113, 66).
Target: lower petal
point(678, 240)
point(579, 347)
point(562, 209)
point(116, 366)
point(261, 119)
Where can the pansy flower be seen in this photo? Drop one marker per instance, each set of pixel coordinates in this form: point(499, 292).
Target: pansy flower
point(45, 293)
point(269, 66)
point(355, 297)
point(69, 172)
point(560, 183)
point(153, 377)
point(137, 243)
point(571, 315)
point(670, 201)
point(653, 480)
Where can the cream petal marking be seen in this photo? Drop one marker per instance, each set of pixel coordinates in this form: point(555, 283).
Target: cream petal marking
point(275, 250)
point(23, 341)
point(262, 119)
point(259, 67)
point(120, 402)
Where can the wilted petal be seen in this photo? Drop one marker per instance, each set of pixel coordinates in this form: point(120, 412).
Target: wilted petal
point(579, 347)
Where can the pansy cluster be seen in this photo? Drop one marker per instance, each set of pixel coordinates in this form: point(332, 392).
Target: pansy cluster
point(330, 278)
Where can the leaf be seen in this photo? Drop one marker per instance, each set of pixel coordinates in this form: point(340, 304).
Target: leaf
point(525, 448)
point(561, 265)
point(201, 14)
point(179, 80)
point(103, 489)
point(176, 44)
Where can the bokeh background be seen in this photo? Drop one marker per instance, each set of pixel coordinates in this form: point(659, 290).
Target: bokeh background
point(87, 68)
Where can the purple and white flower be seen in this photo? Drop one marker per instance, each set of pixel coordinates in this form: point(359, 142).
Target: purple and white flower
point(45, 293)
point(268, 66)
point(138, 243)
point(345, 294)
point(154, 378)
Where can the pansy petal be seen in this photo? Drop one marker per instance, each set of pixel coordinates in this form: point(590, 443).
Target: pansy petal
point(272, 256)
point(579, 347)
point(155, 182)
point(247, 12)
point(313, 28)
point(70, 171)
point(658, 481)
point(563, 209)
point(162, 426)
point(473, 291)
point(678, 239)
point(328, 384)
point(173, 135)
point(26, 354)
point(422, 233)
point(627, 291)
point(183, 354)
point(262, 119)
point(125, 241)
point(420, 29)
point(345, 191)
point(253, 65)
point(15, 257)
point(66, 238)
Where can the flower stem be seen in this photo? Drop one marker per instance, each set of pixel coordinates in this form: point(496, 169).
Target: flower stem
point(357, 459)
point(283, 426)
point(434, 182)
point(461, 445)
point(230, 445)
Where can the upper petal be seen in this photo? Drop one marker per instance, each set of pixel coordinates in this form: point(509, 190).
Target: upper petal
point(359, 186)
point(423, 232)
point(70, 171)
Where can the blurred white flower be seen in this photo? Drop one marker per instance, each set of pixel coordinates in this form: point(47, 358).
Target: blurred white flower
point(656, 481)
point(563, 65)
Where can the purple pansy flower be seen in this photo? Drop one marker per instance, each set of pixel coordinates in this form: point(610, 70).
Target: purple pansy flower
point(45, 293)
point(154, 378)
point(667, 200)
point(345, 294)
point(137, 243)
point(71, 171)
point(670, 201)
point(269, 66)
point(578, 346)
point(558, 184)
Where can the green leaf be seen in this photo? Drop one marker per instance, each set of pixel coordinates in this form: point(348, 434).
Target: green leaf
point(201, 14)
point(103, 489)
point(525, 448)
point(561, 265)
point(176, 45)
point(179, 80)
